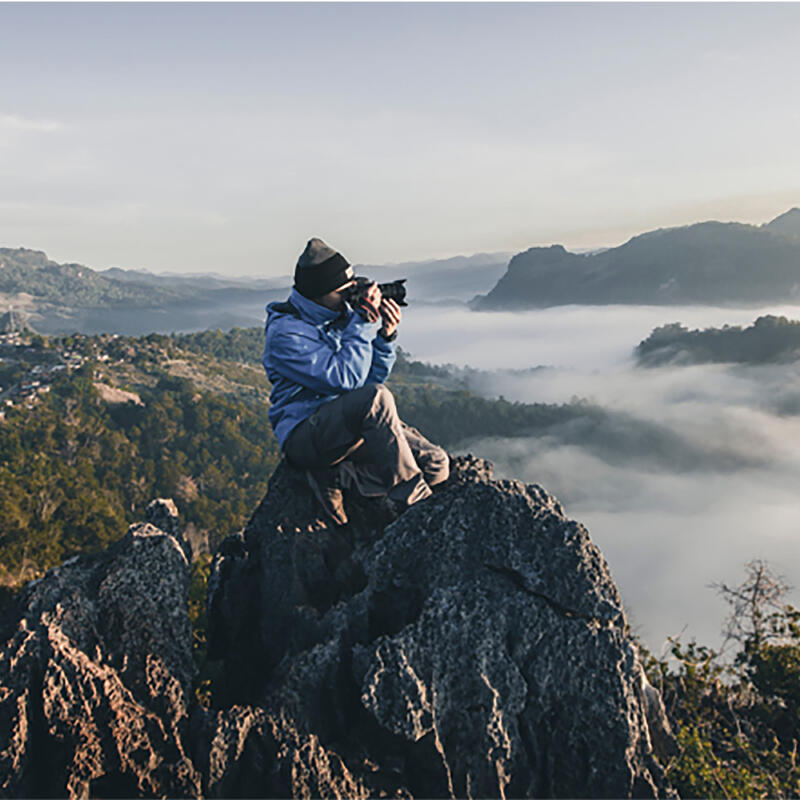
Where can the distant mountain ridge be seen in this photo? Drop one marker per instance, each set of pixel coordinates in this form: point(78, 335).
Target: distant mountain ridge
point(458, 278)
point(195, 280)
point(76, 285)
point(32, 272)
point(708, 262)
point(65, 298)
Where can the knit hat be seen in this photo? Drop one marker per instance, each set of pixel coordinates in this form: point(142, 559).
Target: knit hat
point(320, 269)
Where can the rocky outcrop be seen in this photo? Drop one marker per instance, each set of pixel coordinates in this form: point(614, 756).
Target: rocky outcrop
point(474, 646)
point(115, 396)
point(95, 671)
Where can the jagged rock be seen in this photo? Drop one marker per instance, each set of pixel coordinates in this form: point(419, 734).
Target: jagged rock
point(249, 753)
point(474, 646)
point(115, 396)
point(95, 669)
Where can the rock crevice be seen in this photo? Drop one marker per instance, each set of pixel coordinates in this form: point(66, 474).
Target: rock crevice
point(517, 580)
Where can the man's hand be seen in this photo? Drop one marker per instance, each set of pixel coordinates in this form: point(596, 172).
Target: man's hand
point(391, 314)
point(372, 305)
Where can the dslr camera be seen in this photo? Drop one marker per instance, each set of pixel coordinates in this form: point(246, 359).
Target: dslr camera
point(357, 293)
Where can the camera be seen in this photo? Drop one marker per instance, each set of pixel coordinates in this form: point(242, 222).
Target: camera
point(395, 290)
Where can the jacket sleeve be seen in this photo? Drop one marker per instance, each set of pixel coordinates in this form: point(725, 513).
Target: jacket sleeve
point(383, 358)
point(296, 352)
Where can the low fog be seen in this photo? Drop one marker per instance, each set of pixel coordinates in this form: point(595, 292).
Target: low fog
point(697, 474)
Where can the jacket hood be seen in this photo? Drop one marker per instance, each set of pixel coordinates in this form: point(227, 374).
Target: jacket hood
point(309, 310)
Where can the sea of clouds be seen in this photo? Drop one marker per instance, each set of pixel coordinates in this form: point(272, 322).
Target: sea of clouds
point(697, 474)
point(694, 473)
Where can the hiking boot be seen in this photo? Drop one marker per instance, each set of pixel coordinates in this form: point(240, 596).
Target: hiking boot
point(409, 492)
point(326, 488)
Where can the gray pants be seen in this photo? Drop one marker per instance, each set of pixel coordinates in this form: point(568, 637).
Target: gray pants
point(393, 459)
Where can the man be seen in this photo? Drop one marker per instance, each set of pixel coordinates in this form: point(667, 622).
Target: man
point(331, 413)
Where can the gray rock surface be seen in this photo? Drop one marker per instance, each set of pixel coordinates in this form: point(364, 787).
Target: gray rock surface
point(476, 646)
point(95, 670)
point(473, 647)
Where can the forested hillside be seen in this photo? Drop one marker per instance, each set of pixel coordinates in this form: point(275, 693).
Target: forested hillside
point(769, 339)
point(32, 272)
point(98, 426)
point(81, 461)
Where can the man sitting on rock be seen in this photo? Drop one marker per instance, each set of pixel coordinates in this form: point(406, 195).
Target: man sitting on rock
point(330, 410)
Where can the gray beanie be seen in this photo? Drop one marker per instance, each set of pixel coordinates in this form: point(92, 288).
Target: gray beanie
point(320, 269)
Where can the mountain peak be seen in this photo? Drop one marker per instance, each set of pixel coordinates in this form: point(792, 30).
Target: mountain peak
point(792, 213)
point(786, 224)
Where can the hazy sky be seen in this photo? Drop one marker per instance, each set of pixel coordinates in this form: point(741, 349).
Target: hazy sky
point(200, 137)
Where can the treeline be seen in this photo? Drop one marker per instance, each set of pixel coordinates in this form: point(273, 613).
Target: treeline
point(449, 416)
point(245, 345)
point(769, 339)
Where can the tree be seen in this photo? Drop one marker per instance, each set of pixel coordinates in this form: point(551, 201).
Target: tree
point(753, 605)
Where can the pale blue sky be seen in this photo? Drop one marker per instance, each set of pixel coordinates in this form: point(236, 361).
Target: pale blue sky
point(204, 137)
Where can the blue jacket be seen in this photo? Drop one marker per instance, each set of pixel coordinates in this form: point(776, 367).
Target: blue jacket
point(315, 356)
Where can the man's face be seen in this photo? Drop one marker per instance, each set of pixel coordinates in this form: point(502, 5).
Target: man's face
point(334, 300)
